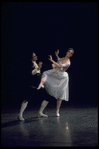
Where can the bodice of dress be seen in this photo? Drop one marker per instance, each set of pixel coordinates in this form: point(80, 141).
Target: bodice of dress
point(64, 67)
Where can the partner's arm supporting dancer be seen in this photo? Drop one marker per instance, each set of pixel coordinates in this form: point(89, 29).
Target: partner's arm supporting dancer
point(56, 80)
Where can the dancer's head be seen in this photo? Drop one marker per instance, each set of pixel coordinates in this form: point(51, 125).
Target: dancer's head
point(34, 57)
point(70, 52)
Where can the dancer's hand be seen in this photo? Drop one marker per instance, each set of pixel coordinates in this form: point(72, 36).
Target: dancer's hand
point(40, 65)
point(50, 57)
point(57, 52)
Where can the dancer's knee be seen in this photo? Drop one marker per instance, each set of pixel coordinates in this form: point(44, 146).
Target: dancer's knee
point(43, 80)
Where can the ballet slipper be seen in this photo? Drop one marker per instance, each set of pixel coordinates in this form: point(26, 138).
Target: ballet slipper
point(42, 115)
point(42, 86)
point(20, 117)
point(39, 86)
point(41, 83)
point(57, 113)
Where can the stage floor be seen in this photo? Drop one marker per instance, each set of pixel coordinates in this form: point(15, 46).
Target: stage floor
point(75, 127)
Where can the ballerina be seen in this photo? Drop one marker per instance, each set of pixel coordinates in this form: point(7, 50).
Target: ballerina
point(56, 80)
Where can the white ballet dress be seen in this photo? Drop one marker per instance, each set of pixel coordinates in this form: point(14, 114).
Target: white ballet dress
point(57, 80)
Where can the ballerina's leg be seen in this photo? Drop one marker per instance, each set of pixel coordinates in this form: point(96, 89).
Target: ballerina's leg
point(41, 83)
point(59, 101)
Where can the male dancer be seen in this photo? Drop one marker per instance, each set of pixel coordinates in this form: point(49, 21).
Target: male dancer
point(35, 79)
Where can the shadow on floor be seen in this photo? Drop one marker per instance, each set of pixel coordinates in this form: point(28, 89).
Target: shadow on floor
point(17, 122)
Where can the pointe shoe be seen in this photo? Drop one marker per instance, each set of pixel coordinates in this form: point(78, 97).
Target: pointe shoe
point(57, 114)
point(20, 117)
point(42, 115)
point(42, 86)
point(39, 87)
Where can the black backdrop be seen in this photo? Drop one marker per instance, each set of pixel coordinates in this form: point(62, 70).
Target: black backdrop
point(44, 27)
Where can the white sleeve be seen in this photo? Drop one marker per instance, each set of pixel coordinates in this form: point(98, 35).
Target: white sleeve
point(35, 71)
point(54, 66)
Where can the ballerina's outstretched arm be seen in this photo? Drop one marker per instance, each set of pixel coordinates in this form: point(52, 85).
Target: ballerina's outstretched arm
point(58, 65)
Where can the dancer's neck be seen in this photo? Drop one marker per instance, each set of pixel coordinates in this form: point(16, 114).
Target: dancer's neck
point(66, 57)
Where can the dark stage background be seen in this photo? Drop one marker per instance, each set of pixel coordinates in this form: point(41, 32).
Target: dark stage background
point(44, 27)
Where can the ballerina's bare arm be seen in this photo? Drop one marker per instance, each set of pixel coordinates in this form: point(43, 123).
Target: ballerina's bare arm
point(54, 62)
point(56, 53)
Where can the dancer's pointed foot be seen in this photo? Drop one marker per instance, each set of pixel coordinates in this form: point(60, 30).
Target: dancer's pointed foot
point(42, 115)
point(20, 117)
point(57, 113)
point(40, 86)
